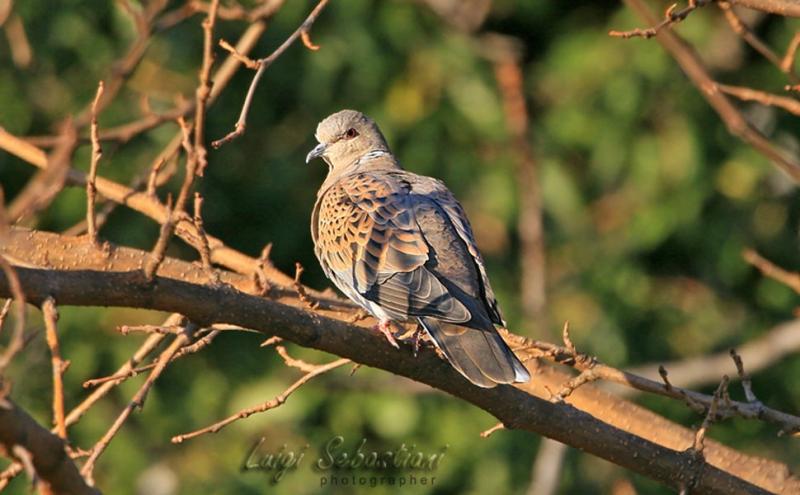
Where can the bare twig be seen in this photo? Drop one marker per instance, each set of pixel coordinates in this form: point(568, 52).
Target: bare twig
point(586, 376)
point(17, 338)
point(266, 406)
point(205, 251)
point(265, 62)
point(146, 348)
point(204, 88)
point(292, 362)
point(736, 123)
point(59, 365)
point(162, 329)
point(247, 61)
point(665, 376)
point(77, 412)
point(747, 384)
point(5, 10)
point(787, 63)
point(789, 104)
point(121, 376)
point(301, 290)
point(763, 351)
point(260, 278)
point(695, 452)
point(671, 16)
point(4, 312)
point(490, 431)
point(137, 401)
point(739, 27)
point(769, 269)
point(699, 439)
point(21, 52)
point(97, 152)
point(152, 178)
point(270, 341)
point(160, 248)
point(695, 400)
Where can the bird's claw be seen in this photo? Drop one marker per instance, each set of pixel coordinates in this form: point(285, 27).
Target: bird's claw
point(385, 327)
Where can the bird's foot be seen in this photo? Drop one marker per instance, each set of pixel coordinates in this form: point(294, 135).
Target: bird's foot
point(416, 340)
point(385, 327)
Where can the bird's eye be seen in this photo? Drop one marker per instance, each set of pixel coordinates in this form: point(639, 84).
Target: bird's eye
point(351, 133)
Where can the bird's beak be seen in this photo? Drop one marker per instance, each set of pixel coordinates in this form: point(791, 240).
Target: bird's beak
point(317, 152)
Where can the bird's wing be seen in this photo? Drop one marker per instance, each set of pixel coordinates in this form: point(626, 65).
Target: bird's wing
point(436, 191)
point(369, 242)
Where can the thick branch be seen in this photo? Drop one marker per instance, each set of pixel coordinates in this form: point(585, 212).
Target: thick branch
point(47, 451)
point(627, 435)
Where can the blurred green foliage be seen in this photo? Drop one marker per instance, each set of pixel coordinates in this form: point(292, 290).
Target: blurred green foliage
point(648, 203)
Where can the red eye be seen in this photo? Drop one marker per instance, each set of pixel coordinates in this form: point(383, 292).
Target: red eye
point(351, 133)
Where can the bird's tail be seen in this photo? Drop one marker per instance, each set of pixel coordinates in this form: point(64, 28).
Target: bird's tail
point(480, 355)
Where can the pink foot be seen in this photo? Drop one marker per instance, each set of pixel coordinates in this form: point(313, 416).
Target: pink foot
point(385, 327)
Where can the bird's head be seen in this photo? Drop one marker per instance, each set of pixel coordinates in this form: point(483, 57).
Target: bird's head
point(345, 137)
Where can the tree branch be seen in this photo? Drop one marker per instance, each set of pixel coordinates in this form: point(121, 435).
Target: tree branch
point(693, 67)
point(627, 435)
point(47, 451)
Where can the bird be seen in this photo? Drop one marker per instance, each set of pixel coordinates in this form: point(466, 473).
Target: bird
point(400, 246)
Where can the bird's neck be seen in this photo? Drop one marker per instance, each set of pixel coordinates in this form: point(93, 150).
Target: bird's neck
point(370, 161)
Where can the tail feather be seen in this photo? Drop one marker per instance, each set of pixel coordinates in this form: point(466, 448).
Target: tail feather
point(480, 355)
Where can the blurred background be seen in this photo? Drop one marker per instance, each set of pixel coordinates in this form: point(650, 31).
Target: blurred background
point(647, 203)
